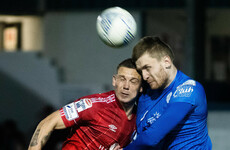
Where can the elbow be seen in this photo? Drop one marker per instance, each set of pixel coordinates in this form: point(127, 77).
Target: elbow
point(150, 141)
point(150, 144)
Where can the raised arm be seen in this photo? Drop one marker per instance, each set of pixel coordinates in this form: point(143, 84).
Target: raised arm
point(44, 130)
point(157, 131)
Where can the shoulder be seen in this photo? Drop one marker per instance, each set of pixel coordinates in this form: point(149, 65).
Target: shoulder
point(187, 91)
point(94, 102)
point(186, 87)
point(100, 98)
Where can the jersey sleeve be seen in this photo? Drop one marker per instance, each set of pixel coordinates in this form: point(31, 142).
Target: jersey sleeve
point(187, 92)
point(76, 112)
point(152, 136)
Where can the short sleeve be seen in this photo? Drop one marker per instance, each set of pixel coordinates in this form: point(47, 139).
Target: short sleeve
point(75, 112)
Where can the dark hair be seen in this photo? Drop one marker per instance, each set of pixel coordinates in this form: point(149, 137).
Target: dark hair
point(154, 46)
point(127, 63)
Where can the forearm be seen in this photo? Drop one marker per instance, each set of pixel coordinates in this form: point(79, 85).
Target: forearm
point(152, 137)
point(44, 130)
point(40, 137)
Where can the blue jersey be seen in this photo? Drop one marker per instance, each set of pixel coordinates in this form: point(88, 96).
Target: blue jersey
point(185, 99)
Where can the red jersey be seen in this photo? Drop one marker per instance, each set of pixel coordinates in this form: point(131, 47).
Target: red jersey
point(98, 122)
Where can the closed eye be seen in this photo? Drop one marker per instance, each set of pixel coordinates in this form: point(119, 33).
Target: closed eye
point(134, 81)
point(147, 68)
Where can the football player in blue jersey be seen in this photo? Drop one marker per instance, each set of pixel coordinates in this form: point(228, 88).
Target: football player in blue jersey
point(172, 111)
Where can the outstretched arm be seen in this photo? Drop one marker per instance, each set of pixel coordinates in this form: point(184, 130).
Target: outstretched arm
point(157, 131)
point(44, 130)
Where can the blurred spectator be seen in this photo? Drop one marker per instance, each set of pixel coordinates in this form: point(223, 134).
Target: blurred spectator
point(11, 138)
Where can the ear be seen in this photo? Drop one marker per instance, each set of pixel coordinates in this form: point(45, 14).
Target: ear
point(167, 62)
point(114, 80)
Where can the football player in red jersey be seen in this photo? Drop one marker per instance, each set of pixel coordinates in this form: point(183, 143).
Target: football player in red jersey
point(98, 121)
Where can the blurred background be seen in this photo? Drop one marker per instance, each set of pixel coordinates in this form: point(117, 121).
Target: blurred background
point(50, 54)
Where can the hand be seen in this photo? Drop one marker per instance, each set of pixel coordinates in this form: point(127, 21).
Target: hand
point(115, 146)
point(118, 148)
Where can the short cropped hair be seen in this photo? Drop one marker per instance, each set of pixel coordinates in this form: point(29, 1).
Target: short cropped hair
point(154, 46)
point(127, 63)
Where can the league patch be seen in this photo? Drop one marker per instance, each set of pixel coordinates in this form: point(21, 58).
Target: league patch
point(185, 89)
point(70, 111)
point(83, 104)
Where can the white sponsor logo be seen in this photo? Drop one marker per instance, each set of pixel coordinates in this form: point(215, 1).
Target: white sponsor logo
point(108, 99)
point(70, 112)
point(83, 104)
point(112, 128)
point(168, 97)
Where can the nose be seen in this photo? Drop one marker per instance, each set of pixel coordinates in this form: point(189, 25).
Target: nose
point(145, 75)
point(126, 85)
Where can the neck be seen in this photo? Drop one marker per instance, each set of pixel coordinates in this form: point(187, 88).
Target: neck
point(172, 74)
point(128, 108)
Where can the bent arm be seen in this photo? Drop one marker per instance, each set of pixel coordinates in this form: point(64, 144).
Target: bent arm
point(158, 130)
point(44, 130)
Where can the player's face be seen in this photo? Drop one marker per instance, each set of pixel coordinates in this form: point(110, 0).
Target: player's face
point(153, 71)
point(127, 84)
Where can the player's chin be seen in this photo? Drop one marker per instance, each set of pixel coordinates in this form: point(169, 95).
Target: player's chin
point(127, 100)
point(154, 85)
point(124, 100)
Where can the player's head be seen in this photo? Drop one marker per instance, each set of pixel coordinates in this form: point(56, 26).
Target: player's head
point(154, 46)
point(127, 82)
point(154, 59)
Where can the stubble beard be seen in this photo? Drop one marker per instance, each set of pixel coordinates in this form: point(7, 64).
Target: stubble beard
point(161, 82)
